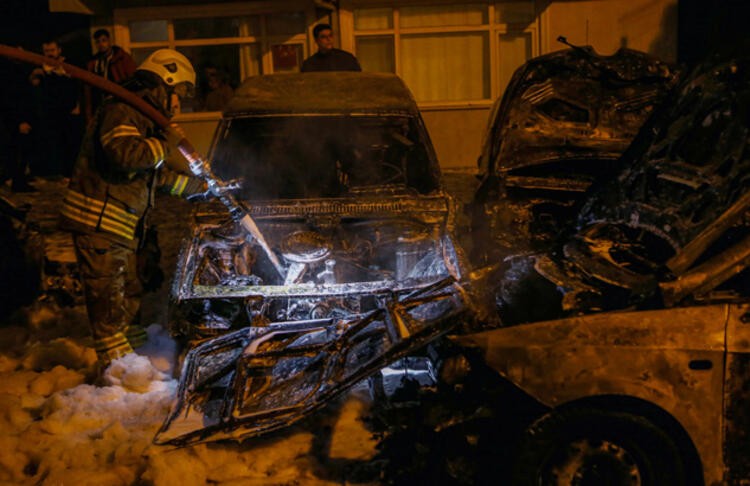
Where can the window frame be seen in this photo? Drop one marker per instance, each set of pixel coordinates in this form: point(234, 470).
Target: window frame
point(493, 29)
point(123, 17)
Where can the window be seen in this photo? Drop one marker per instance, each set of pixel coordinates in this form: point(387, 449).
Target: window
point(428, 45)
point(340, 153)
point(223, 49)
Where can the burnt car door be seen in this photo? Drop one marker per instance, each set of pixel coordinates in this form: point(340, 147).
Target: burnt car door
point(737, 395)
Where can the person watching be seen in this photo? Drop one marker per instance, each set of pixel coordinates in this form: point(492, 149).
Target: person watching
point(112, 63)
point(59, 125)
point(328, 58)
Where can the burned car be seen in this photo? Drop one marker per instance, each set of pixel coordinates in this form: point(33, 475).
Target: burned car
point(561, 125)
point(671, 225)
point(339, 173)
point(639, 371)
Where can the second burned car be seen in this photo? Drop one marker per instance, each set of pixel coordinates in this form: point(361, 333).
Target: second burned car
point(339, 173)
point(561, 126)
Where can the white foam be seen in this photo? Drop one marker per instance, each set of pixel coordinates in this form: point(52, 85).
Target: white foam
point(58, 430)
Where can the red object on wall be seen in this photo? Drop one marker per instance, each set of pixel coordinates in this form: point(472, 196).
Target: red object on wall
point(285, 57)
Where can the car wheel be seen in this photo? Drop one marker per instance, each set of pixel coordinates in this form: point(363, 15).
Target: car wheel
point(597, 447)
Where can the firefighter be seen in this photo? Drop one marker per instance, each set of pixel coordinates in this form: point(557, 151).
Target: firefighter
point(118, 169)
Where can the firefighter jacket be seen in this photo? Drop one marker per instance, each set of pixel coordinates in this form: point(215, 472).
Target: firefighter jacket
point(117, 171)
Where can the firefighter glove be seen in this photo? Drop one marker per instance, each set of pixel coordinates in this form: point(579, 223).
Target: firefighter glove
point(174, 135)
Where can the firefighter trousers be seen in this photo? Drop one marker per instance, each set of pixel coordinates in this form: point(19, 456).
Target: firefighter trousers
point(113, 295)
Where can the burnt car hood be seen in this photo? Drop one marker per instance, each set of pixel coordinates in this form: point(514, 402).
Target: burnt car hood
point(572, 105)
point(260, 379)
point(557, 132)
point(671, 228)
point(368, 243)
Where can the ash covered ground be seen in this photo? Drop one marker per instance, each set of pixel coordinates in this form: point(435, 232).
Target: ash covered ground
point(59, 430)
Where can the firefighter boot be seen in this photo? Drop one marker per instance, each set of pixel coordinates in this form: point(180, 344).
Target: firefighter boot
point(136, 335)
point(107, 350)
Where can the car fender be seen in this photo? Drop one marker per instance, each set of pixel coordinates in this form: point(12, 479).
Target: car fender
point(672, 358)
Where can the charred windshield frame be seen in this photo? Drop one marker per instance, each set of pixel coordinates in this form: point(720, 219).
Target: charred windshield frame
point(322, 155)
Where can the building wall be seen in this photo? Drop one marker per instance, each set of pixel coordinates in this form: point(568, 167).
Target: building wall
point(456, 128)
point(456, 134)
point(645, 25)
point(199, 130)
point(607, 25)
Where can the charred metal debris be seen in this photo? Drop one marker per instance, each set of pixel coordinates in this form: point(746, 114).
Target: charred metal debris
point(562, 124)
point(671, 227)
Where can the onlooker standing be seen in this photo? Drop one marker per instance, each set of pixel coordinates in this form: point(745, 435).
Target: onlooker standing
point(110, 62)
point(30, 114)
point(17, 122)
point(328, 58)
point(59, 124)
point(220, 92)
point(20, 152)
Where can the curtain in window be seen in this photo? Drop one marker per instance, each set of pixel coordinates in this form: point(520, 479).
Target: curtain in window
point(446, 67)
point(375, 54)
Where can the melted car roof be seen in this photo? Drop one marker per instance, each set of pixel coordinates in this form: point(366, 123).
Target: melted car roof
point(322, 92)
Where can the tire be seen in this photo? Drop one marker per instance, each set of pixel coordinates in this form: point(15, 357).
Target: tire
point(584, 447)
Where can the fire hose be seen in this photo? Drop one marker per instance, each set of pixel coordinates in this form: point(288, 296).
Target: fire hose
point(199, 166)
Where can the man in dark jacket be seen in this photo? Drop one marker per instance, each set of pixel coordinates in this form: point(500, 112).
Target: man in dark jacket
point(17, 128)
point(328, 58)
point(112, 189)
point(112, 63)
point(59, 126)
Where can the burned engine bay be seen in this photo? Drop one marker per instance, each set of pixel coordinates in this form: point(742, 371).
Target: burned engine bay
point(338, 260)
point(348, 199)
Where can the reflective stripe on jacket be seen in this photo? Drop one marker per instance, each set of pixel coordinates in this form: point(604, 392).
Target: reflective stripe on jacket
point(116, 173)
point(98, 215)
point(110, 348)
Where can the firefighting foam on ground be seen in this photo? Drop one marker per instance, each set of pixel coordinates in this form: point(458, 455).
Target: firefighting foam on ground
point(59, 430)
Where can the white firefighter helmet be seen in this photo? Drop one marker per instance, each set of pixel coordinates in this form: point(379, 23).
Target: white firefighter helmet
point(172, 67)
